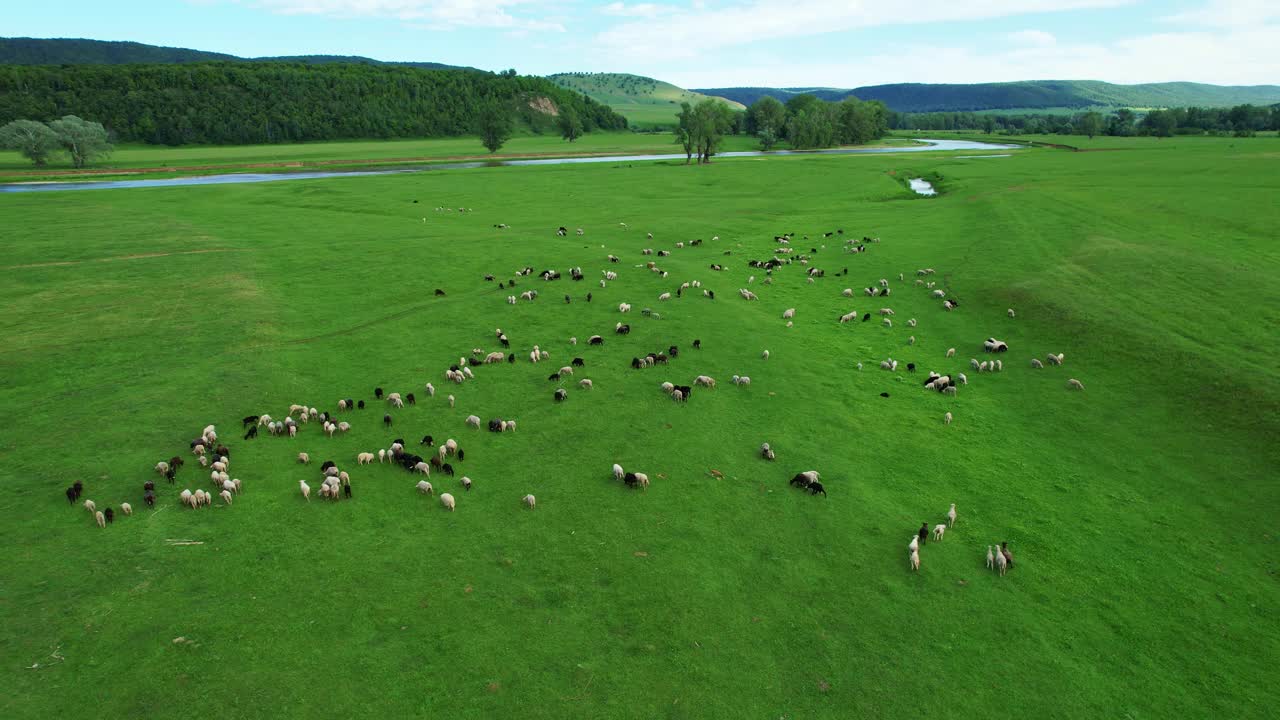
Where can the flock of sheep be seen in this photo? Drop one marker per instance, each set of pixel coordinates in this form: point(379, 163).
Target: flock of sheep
point(336, 483)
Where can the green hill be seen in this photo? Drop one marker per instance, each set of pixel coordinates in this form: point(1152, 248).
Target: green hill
point(77, 51)
point(1026, 95)
point(642, 100)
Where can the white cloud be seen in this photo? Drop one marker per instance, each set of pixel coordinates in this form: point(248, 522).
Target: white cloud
point(1237, 57)
point(1034, 38)
point(644, 10)
point(1228, 14)
point(689, 33)
point(429, 14)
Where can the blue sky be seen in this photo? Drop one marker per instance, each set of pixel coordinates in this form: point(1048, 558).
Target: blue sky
point(718, 43)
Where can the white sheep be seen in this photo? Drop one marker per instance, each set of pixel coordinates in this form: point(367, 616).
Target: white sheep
point(382, 455)
point(447, 501)
point(91, 506)
point(964, 379)
point(618, 472)
point(847, 292)
point(705, 381)
point(187, 498)
point(566, 370)
point(911, 322)
point(466, 483)
point(1001, 562)
point(665, 296)
point(915, 560)
point(1012, 313)
point(473, 421)
point(226, 497)
point(451, 401)
point(914, 545)
point(743, 380)
point(162, 468)
point(431, 390)
point(306, 490)
point(951, 516)
point(364, 458)
point(624, 307)
point(1055, 359)
point(911, 340)
point(888, 322)
point(951, 352)
point(425, 488)
point(100, 518)
point(1074, 384)
point(530, 501)
point(126, 508)
point(849, 317)
point(938, 531)
point(1035, 363)
point(643, 480)
point(788, 313)
point(585, 384)
point(424, 468)
point(946, 419)
point(764, 355)
point(991, 560)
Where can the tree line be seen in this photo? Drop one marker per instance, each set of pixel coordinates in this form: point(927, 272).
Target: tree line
point(242, 103)
point(1241, 121)
point(805, 122)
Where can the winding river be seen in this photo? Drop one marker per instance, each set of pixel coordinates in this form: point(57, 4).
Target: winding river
point(237, 178)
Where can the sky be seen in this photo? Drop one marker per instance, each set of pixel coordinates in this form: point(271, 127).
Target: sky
point(719, 43)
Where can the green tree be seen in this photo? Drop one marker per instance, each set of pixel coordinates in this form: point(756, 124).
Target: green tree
point(712, 120)
point(569, 124)
point(1121, 123)
point(1160, 123)
point(766, 115)
point(767, 139)
point(494, 126)
point(85, 141)
point(34, 140)
point(1089, 124)
point(988, 124)
point(686, 134)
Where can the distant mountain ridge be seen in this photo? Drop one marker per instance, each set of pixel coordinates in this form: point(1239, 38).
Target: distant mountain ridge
point(74, 51)
point(1030, 94)
point(644, 101)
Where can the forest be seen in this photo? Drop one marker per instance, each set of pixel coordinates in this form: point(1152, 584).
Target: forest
point(240, 103)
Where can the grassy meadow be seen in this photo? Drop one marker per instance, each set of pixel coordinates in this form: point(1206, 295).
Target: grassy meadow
point(1141, 511)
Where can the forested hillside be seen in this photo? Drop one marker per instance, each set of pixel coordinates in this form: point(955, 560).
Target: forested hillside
point(76, 51)
point(1035, 94)
point(234, 103)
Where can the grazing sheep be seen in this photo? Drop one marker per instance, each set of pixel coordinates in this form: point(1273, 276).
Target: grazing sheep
point(764, 355)
point(914, 545)
point(1001, 562)
point(946, 419)
point(162, 468)
point(473, 421)
point(938, 294)
point(306, 490)
point(530, 501)
point(849, 317)
point(888, 322)
point(766, 452)
point(566, 370)
point(1074, 384)
point(126, 508)
point(951, 516)
point(100, 518)
point(90, 506)
point(431, 389)
point(423, 467)
point(451, 401)
point(425, 488)
point(789, 313)
point(1011, 313)
point(915, 560)
point(847, 292)
point(911, 322)
point(1055, 359)
point(585, 384)
point(447, 501)
point(364, 458)
point(938, 531)
point(226, 497)
point(677, 395)
point(911, 340)
point(187, 498)
point(1036, 364)
point(705, 381)
point(466, 483)
point(991, 560)
point(560, 395)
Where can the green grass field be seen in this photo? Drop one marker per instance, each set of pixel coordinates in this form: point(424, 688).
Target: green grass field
point(1141, 511)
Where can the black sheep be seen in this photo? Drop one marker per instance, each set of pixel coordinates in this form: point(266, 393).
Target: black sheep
point(79, 486)
point(588, 297)
point(221, 450)
point(505, 342)
point(816, 487)
point(350, 403)
point(250, 420)
point(149, 498)
point(377, 392)
point(253, 433)
point(567, 300)
point(697, 344)
point(110, 515)
point(623, 329)
point(462, 454)
point(673, 351)
point(553, 376)
point(631, 480)
point(428, 441)
point(686, 391)
point(169, 474)
point(360, 404)
point(474, 362)
point(411, 399)
point(327, 464)
point(386, 421)
point(439, 292)
point(711, 294)
point(866, 317)
point(447, 468)
point(661, 359)
point(578, 362)
point(148, 485)
point(435, 462)
point(884, 394)
point(635, 363)
point(398, 441)
point(800, 481)
point(511, 357)
point(595, 340)
point(346, 490)
point(911, 367)
point(495, 425)
point(561, 395)
point(71, 495)
point(502, 286)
